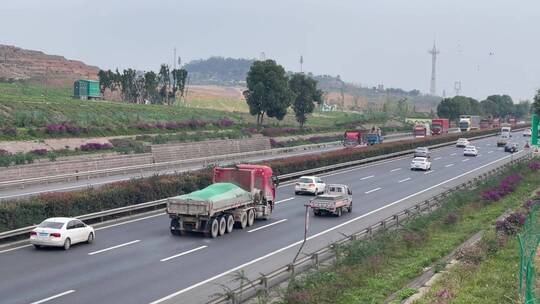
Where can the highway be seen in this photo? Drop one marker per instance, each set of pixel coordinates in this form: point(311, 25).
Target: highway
point(139, 261)
point(35, 189)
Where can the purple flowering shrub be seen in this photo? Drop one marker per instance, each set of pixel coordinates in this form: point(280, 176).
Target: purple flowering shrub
point(506, 186)
point(95, 146)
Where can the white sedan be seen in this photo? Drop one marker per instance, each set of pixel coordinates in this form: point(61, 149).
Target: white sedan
point(421, 163)
point(462, 143)
point(309, 184)
point(527, 132)
point(61, 232)
point(470, 151)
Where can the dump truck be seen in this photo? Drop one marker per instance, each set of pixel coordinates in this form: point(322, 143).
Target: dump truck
point(352, 138)
point(439, 126)
point(336, 199)
point(237, 197)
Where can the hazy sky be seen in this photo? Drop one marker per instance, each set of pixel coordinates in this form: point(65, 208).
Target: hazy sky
point(366, 42)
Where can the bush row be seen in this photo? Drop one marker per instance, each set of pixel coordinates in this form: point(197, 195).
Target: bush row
point(311, 140)
point(16, 214)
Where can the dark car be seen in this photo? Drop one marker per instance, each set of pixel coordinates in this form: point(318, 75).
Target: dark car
point(422, 152)
point(511, 147)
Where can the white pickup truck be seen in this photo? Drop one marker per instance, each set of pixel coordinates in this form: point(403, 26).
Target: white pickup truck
point(336, 199)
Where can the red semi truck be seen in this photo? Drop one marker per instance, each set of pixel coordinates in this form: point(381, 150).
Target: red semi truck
point(485, 124)
point(439, 126)
point(421, 130)
point(237, 197)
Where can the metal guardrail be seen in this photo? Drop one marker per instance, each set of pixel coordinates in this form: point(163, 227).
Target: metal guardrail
point(117, 212)
point(263, 284)
point(167, 165)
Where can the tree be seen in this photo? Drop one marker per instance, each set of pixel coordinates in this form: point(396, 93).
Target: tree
point(104, 81)
point(179, 81)
point(268, 91)
point(497, 105)
point(522, 109)
point(536, 103)
point(165, 82)
point(306, 95)
point(150, 86)
point(452, 108)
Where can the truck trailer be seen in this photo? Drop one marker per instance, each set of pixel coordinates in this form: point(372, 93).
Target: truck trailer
point(237, 197)
point(421, 130)
point(352, 138)
point(440, 126)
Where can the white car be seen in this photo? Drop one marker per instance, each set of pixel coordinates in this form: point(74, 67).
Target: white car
point(61, 232)
point(470, 151)
point(421, 163)
point(309, 184)
point(462, 143)
point(527, 132)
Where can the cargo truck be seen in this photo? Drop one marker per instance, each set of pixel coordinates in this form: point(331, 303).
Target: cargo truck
point(421, 130)
point(236, 198)
point(469, 122)
point(512, 122)
point(352, 139)
point(336, 199)
point(374, 136)
point(496, 123)
point(440, 126)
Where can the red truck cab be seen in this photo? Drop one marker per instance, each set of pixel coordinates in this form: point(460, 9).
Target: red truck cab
point(439, 126)
point(252, 178)
point(352, 139)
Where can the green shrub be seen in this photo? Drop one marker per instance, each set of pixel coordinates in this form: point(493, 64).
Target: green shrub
point(406, 293)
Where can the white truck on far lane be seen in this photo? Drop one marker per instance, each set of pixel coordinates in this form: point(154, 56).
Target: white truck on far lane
point(336, 199)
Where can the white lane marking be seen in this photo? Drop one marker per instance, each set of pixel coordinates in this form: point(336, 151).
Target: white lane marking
point(266, 226)
point(449, 165)
point(130, 221)
point(318, 234)
point(430, 171)
point(466, 159)
point(183, 253)
point(453, 154)
point(437, 158)
point(114, 247)
point(404, 180)
point(285, 200)
point(54, 297)
point(338, 172)
point(396, 169)
point(15, 248)
point(490, 152)
point(364, 178)
point(372, 190)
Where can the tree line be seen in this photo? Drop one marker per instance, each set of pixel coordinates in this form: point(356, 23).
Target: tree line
point(163, 87)
point(270, 92)
point(493, 106)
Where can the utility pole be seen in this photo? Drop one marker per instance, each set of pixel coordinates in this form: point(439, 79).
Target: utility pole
point(301, 63)
point(434, 52)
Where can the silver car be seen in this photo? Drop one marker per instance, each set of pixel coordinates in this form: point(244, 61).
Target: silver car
point(422, 152)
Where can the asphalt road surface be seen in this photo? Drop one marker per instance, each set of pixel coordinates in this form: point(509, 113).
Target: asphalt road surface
point(139, 261)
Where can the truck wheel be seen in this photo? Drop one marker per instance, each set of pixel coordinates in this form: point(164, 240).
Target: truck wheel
point(214, 228)
point(316, 212)
point(243, 221)
point(175, 224)
point(222, 225)
point(250, 217)
point(350, 208)
point(339, 212)
point(230, 223)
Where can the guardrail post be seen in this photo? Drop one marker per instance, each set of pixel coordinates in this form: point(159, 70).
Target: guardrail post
point(315, 258)
point(264, 283)
point(396, 217)
point(383, 224)
point(353, 237)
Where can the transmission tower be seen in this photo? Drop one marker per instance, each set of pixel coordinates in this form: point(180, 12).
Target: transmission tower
point(457, 87)
point(301, 63)
point(434, 52)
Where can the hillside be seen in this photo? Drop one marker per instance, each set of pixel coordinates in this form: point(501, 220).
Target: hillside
point(18, 64)
point(219, 72)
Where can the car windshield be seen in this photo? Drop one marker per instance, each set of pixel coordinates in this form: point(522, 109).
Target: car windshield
point(305, 180)
point(49, 224)
point(421, 149)
point(419, 160)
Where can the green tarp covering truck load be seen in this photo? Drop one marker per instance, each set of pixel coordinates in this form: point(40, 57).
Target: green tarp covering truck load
point(237, 197)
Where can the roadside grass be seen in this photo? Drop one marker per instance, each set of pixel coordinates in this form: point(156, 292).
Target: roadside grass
point(29, 107)
point(495, 280)
point(369, 271)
